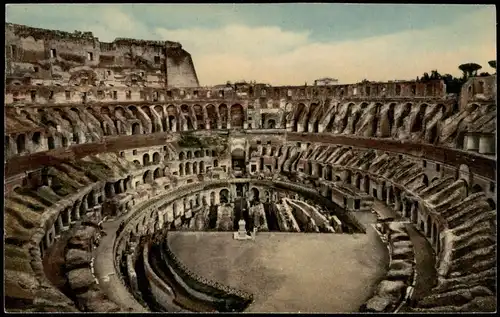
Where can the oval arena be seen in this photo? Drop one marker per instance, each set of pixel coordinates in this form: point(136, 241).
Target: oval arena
point(131, 188)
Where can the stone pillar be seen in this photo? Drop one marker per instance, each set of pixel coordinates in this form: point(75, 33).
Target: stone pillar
point(388, 196)
point(121, 186)
point(68, 212)
point(47, 238)
point(403, 201)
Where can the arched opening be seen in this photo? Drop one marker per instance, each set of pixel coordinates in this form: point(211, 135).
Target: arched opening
point(189, 155)
point(433, 134)
point(212, 116)
point(224, 196)
point(301, 108)
point(223, 116)
point(21, 143)
point(195, 168)
point(418, 123)
point(181, 169)
point(37, 137)
point(357, 181)
point(145, 159)
point(52, 142)
point(216, 163)
point(136, 128)
point(187, 168)
point(147, 177)
point(181, 156)
point(366, 184)
point(255, 194)
point(492, 204)
point(271, 124)
point(202, 167)
point(157, 173)
point(156, 158)
point(477, 189)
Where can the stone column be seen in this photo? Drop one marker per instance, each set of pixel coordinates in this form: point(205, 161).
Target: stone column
point(68, 212)
point(388, 196)
point(404, 203)
point(121, 186)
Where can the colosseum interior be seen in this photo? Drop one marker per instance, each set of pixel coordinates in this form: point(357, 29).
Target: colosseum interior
point(129, 187)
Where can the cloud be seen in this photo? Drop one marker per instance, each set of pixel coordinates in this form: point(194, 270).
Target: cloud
point(283, 57)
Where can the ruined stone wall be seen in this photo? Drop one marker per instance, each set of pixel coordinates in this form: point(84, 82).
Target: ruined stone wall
point(49, 57)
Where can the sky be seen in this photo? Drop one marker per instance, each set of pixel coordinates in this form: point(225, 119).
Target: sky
point(294, 43)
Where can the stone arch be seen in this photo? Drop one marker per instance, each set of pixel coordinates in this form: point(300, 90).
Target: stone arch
point(181, 156)
point(189, 155)
point(147, 177)
point(195, 168)
point(172, 117)
point(145, 159)
point(187, 168)
point(136, 128)
point(212, 116)
point(404, 113)
point(156, 158)
point(418, 123)
point(157, 173)
point(224, 196)
point(301, 108)
point(21, 143)
point(202, 167)
point(181, 169)
point(36, 138)
point(198, 112)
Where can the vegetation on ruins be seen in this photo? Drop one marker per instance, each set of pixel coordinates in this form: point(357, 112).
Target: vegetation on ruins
point(454, 84)
point(493, 64)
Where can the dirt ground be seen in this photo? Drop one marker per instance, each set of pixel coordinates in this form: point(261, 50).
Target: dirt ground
point(290, 272)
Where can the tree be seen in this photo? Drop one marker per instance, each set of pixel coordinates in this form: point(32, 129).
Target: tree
point(469, 69)
point(493, 64)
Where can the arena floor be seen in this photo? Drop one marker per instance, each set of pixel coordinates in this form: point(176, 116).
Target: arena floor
point(290, 272)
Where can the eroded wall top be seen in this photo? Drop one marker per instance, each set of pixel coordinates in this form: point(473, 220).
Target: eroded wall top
point(56, 55)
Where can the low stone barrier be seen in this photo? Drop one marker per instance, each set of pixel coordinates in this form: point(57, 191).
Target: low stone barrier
point(81, 280)
point(397, 287)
